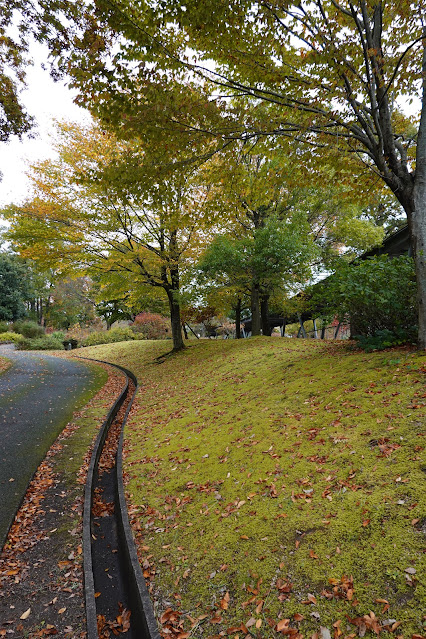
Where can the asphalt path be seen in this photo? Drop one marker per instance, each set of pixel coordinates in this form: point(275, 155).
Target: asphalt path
point(38, 394)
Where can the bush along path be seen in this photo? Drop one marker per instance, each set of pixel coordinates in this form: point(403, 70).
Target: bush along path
point(41, 577)
point(277, 487)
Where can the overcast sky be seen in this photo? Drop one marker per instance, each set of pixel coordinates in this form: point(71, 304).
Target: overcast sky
point(45, 100)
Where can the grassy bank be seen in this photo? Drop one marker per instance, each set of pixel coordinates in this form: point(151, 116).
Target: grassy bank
point(277, 487)
point(4, 364)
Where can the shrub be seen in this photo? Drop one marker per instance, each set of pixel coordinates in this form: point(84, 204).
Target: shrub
point(44, 343)
point(385, 339)
point(59, 335)
point(151, 326)
point(377, 294)
point(11, 337)
point(28, 329)
point(108, 337)
point(4, 327)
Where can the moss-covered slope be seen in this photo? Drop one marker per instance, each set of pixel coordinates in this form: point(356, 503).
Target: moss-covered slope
point(278, 486)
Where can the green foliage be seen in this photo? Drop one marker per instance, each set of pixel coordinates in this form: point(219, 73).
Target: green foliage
point(113, 311)
point(20, 21)
point(72, 303)
point(44, 343)
point(376, 294)
point(59, 335)
point(14, 287)
point(10, 336)
point(386, 339)
point(4, 326)
point(28, 329)
point(107, 337)
point(276, 253)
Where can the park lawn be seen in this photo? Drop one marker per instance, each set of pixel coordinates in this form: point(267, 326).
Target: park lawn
point(5, 364)
point(277, 487)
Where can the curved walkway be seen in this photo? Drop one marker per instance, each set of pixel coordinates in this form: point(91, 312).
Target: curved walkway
point(38, 394)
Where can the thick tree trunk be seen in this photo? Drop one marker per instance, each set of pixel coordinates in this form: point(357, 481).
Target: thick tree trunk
point(238, 320)
point(418, 217)
point(255, 310)
point(175, 320)
point(264, 312)
point(418, 234)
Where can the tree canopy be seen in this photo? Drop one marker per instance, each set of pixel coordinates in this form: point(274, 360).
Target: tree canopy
point(328, 74)
point(103, 208)
point(52, 21)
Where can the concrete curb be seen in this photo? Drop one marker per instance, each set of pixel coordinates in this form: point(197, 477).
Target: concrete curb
point(89, 586)
point(141, 606)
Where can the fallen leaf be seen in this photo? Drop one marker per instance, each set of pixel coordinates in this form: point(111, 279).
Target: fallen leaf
point(25, 614)
point(281, 625)
point(259, 607)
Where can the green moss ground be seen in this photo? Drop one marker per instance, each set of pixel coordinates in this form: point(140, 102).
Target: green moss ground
point(4, 364)
point(287, 473)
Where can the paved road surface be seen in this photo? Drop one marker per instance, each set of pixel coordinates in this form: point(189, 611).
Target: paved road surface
point(37, 397)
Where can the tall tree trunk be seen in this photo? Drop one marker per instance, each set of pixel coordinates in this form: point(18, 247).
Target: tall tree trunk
point(238, 319)
point(418, 217)
point(264, 312)
point(172, 288)
point(175, 320)
point(255, 310)
point(185, 332)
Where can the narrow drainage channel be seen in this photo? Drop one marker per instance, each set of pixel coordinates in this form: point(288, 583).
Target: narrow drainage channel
point(117, 600)
point(113, 601)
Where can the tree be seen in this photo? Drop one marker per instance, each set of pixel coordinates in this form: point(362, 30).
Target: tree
point(14, 287)
point(279, 224)
point(322, 72)
point(70, 303)
point(102, 207)
point(274, 253)
point(20, 20)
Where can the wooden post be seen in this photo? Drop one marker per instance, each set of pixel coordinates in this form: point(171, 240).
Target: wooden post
point(191, 330)
point(302, 328)
point(337, 330)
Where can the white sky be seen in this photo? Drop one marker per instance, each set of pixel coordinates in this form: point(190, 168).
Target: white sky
point(45, 100)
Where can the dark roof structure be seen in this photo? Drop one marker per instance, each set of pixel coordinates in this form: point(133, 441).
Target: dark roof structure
point(394, 245)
